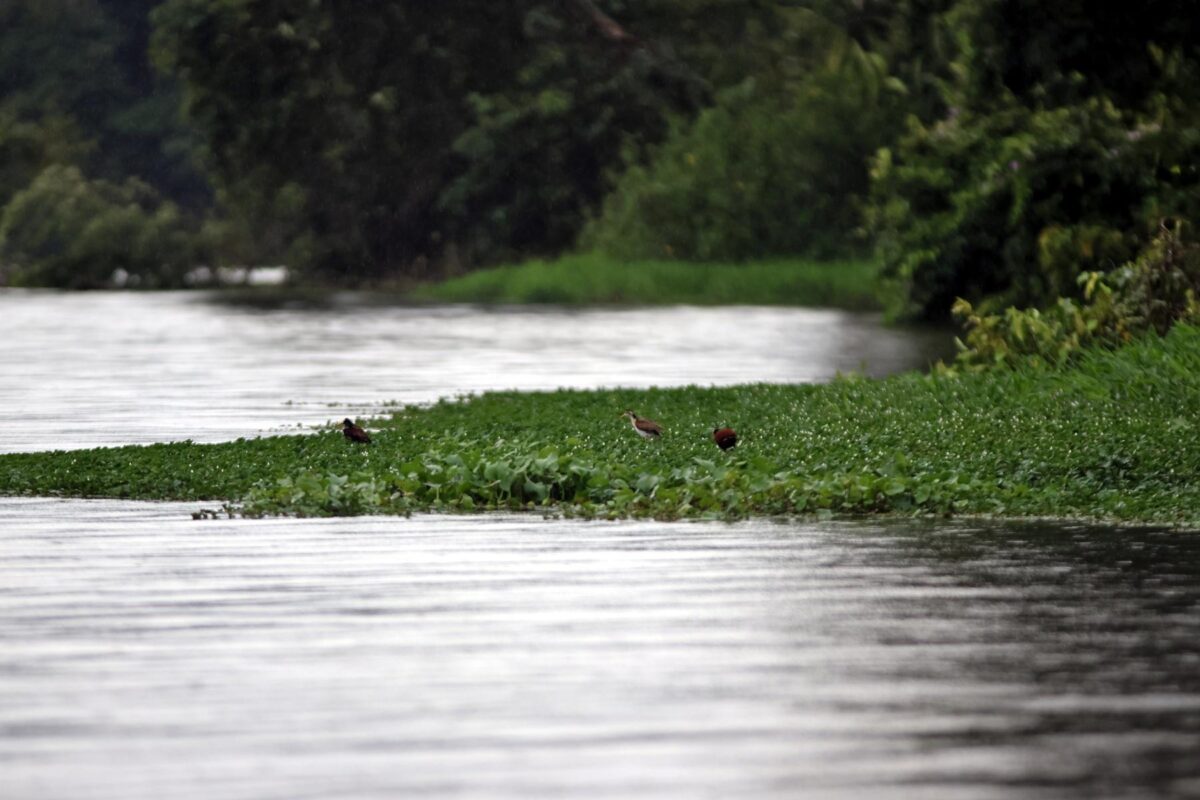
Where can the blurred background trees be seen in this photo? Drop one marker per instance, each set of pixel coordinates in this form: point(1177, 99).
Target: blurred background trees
point(1069, 134)
point(992, 150)
point(95, 160)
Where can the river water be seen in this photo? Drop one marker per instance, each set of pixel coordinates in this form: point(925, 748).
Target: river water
point(82, 370)
point(147, 655)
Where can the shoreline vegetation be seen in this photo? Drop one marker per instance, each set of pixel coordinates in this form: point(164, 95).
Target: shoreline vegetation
point(590, 279)
point(594, 279)
point(1110, 437)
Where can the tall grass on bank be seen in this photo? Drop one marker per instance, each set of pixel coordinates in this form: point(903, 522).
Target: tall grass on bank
point(590, 278)
point(1116, 437)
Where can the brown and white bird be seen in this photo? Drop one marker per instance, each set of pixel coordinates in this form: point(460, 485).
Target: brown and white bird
point(725, 438)
point(354, 433)
point(646, 428)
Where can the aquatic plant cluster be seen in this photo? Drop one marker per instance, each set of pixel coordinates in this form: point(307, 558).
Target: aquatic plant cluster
point(1112, 437)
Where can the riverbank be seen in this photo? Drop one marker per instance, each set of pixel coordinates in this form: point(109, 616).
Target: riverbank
point(589, 279)
point(1111, 438)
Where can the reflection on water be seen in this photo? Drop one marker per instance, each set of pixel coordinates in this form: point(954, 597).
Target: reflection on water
point(149, 656)
point(80, 370)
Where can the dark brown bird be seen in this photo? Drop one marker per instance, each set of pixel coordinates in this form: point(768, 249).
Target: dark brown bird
point(354, 433)
point(725, 438)
point(646, 428)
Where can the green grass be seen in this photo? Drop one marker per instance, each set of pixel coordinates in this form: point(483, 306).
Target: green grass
point(593, 279)
point(1114, 437)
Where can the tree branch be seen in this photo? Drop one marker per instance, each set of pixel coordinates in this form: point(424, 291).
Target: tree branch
point(600, 22)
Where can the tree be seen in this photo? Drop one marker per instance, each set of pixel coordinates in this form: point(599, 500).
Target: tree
point(402, 129)
point(1068, 134)
point(66, 231)
point(82, 65)
point(777, 166)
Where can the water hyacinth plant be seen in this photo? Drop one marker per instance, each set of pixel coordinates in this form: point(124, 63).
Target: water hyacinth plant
point(1111, 437)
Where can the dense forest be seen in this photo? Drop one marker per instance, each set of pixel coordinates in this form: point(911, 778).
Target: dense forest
point(979, 148)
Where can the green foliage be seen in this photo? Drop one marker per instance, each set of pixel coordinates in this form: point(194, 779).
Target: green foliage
point(1150, 294)
point(591, 278)
point(779, 165)
point(1016, 203)
point(1065, 53)
point(914, 39)
point(1066, 133)
point(67, 231)
point(348, 110)
point(470, 132)
point(28, 147)
point(358, 140)
point(775, 167)
point(78, 69)
point(312, 494)
point(535, 154)
point(412, 132)
point(1113, 437)
point(77, 98)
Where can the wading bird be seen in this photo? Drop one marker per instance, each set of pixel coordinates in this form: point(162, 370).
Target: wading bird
point(724, 437)
point(354, 433)
point(646, 428)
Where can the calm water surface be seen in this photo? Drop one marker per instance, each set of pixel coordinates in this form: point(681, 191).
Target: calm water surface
point(147, 655)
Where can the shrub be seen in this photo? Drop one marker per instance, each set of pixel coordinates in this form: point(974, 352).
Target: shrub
point(27, 146)
point(66, 231)
point(759, 174)
point(1149, 294)
point(1013, 205)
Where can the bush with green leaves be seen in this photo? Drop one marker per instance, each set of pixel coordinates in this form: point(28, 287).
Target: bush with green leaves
point(29, 145)
point(1150, 294)
point(762, 173)
point(67, 231)
point(78, 73)
point(1066, 134)
point(1013, 205)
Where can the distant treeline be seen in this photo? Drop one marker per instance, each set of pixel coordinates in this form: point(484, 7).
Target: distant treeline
point(981, 147)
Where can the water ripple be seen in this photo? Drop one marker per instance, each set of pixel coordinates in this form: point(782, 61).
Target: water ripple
point(83, 370)
point(150, 656)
